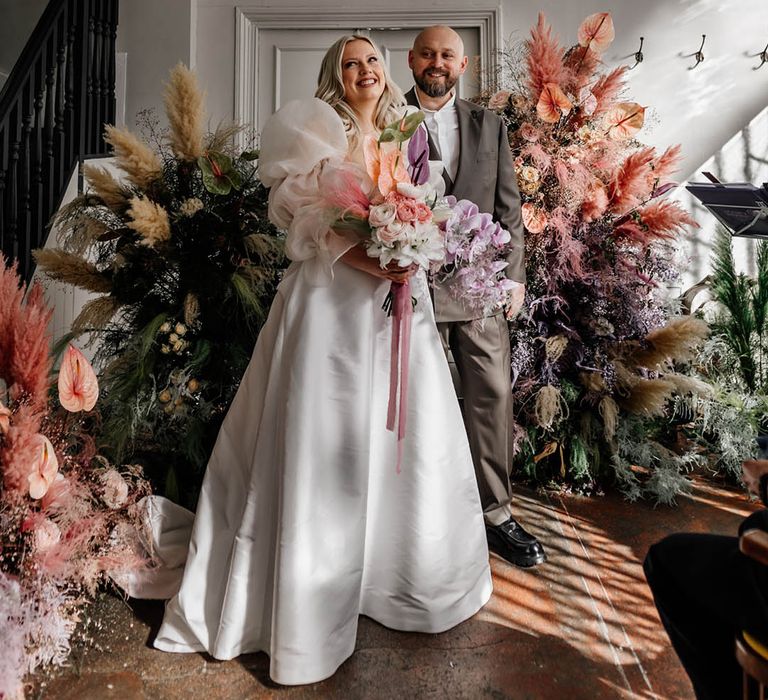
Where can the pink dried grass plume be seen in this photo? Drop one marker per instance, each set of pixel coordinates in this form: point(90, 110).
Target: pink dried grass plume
point(667, 163)
point(632, 182)
point(561, 222)
point(608, 88)
point(595, 202)
point(342, 191)
point(540, 158)
point(544, 58)
point(570, 259)
point(18, 451)
point(666, 219)
point(25, 362)
point(582, 63)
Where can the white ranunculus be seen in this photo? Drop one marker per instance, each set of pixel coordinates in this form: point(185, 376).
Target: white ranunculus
point(382, 214)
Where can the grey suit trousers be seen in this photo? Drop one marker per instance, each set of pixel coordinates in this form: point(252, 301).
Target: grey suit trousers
point(481, 351)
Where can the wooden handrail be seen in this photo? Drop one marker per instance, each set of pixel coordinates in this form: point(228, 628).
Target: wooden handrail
point(53, 107)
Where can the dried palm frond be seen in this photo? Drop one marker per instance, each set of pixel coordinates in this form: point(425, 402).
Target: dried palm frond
point(648, 397)
point(72, 269)
point(685, 384)
point(141, 164)
point(625, 379)
point(105, 186)
point(223, 138)
point(80, 232)
point(263, 245)
point(675, 341)
point(609, 411)
point(96, 314)
point(550, 405)
point(185, 110)
point(150, 220)
point(593, 381)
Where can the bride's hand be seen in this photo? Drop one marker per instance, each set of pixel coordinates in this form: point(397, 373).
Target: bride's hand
point(357, 257)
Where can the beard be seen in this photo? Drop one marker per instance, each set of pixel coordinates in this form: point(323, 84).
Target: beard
point(433, 87)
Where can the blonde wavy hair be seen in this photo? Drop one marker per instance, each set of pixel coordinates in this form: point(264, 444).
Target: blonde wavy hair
point(330, 89)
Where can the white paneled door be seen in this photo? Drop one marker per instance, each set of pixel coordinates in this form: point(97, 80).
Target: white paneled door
point(289, 61)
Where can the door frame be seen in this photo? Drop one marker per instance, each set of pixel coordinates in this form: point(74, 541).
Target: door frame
point(249, 20)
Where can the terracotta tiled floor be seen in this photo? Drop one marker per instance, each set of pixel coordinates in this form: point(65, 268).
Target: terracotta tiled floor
point(582, 625)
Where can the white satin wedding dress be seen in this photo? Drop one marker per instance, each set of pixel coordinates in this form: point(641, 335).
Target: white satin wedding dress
point(303, 523)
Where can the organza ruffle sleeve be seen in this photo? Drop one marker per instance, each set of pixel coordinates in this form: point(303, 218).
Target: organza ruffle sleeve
point(298, 143)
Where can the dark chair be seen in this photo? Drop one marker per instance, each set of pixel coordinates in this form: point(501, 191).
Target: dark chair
point(752, 654)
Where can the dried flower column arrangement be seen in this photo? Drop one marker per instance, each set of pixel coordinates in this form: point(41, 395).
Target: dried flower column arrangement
point(69, 522)
point(597, 354)
point(186, 263)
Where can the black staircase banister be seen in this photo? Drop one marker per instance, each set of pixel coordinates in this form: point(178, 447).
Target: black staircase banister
point(23, 65)
point(52, 111)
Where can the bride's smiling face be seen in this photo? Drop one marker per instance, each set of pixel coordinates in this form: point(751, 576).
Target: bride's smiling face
point(361, 73)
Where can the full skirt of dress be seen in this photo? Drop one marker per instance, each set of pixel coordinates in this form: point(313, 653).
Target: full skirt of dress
point(303, 523)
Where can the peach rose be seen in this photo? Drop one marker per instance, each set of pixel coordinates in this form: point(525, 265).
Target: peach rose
point(407, 210)
point(499, 100)
point(423, 213)
point(529, 132)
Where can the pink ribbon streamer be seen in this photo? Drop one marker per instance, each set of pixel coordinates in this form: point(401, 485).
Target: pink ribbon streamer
point(402, 315)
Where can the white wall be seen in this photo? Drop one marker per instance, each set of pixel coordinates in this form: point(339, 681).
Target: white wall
point(155, 35)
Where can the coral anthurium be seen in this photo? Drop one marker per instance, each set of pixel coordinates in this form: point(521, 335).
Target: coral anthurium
point(44, 469)
point(552, 102)
point(5, 418)
point(78, 387)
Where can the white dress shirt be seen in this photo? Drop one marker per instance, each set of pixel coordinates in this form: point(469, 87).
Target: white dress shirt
point(443, 126)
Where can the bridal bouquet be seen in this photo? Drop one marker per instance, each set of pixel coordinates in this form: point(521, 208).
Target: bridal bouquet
point(398, 222)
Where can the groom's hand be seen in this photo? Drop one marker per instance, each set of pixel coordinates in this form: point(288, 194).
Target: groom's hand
point(515, 303)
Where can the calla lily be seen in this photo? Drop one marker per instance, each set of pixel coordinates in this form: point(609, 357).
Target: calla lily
point(44, 469)
point(78, 387)
point(5, 418)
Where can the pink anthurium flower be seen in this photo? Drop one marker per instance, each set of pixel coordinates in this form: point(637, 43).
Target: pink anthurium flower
point(44, 469)
point(78, 387)
point(5, 418)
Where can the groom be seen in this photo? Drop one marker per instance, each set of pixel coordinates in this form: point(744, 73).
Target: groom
point(478, 166)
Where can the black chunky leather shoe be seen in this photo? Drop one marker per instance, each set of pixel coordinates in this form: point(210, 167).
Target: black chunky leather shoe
point(511, 542)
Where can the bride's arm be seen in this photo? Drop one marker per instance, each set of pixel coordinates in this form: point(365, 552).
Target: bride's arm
point(357, 257)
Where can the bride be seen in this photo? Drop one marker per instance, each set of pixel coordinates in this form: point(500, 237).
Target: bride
point(303, 523)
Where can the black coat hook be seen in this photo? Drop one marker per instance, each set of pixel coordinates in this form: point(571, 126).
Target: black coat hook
point(763, 56)
point(639, 54)
point(699, 55)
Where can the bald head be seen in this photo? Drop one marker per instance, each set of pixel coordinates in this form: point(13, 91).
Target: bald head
point(436, 60)
point(439, 35)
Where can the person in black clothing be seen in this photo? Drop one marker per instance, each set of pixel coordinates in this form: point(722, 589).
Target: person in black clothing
point(706, 591)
